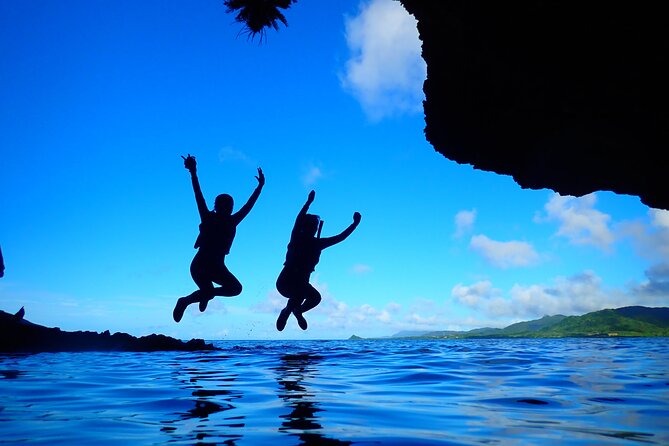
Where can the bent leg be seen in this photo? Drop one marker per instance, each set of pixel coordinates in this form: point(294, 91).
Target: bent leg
point(290, 307)
point(289, 285)
point(183, 302)
point(200, 271)
point(206, 272)
point(312, 298)
point(229, 285)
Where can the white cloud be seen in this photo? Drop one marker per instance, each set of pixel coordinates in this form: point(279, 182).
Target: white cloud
point(215, 307)
point(579, 222)
point(425, 321)
point(655, 290)
point(464, 221)
point(385, 71)
point(651, 241)
point(336, 315)
point(384, 316)
point(578, 294)
point(504, 254)
point(361, 269)
point(273, 303)
point(660, 235)
point(422, 305)
point(312, 175)
point(660, 218)
point(473, 295)
point(575, 295)
point(228, 153)
point(332, 314)
point(393, 307)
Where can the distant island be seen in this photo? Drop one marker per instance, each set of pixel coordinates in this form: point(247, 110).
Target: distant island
point(634, 321)
point(18, 335)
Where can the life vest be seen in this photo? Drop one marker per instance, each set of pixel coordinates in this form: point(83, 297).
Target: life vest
point(216, 234)
point(303, 254)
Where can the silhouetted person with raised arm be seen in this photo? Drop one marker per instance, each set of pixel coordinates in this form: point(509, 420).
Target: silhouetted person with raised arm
point(304, 252)
point(2, 264)
point(217, 231)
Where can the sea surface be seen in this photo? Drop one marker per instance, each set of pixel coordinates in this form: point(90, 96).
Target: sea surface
point(383, 392)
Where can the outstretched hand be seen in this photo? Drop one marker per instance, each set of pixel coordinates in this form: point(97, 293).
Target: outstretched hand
point(260, 177)
point(190, 163)
point(356, 217)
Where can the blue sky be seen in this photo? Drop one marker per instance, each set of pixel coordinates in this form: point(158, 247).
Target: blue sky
point(99, 100)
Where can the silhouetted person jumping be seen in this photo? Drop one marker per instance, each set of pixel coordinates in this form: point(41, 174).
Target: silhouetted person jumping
point(304, 252)
point(217, 231)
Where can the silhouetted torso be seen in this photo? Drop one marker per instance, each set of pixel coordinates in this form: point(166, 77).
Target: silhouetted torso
point(216, 234)
point(304, 253)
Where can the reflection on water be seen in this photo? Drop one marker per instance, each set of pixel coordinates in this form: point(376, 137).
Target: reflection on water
point(10, 374)
point(213, 394)
point(293, 374)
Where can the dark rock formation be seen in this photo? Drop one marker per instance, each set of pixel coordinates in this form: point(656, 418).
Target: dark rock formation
point(563, 95)
point(569, 96)
point(17, 335)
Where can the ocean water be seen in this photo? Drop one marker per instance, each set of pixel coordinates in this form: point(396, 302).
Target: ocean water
point(389, 392)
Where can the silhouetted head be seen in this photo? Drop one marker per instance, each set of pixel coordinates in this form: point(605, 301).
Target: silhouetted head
point(223, 204)
point(310, 224)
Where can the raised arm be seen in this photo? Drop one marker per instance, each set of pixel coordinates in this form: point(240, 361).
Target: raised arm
point(244, 210)
point(329, 241)
point(303, 211)
point(191, 165)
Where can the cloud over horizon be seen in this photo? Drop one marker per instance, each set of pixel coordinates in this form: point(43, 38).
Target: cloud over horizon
point(575, 295)
point(511, 254)
point(579, 221)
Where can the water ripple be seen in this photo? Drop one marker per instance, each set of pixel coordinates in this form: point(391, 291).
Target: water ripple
point(466, 392)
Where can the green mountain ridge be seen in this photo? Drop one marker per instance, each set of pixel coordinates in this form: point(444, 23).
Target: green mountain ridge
point(633, 321)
